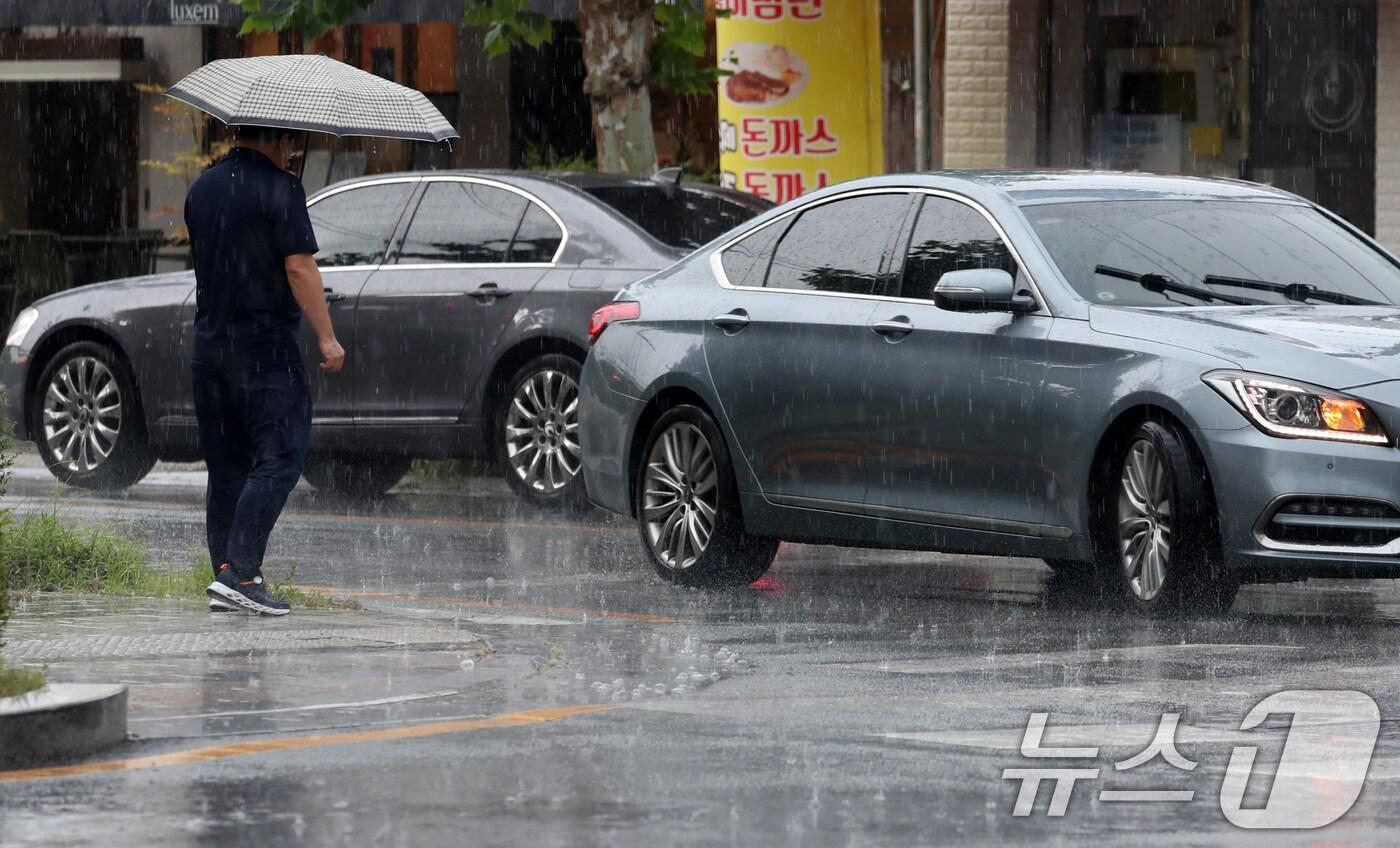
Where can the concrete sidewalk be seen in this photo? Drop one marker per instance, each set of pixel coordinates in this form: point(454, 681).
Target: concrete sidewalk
point(193, 674)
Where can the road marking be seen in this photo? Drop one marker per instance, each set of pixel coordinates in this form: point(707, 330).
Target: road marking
point(1099, 735)
point(377, 702)
point(295, 743)
point(485, 603)
point(988, 662)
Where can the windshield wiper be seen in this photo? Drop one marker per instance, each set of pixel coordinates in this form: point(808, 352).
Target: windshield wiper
point(1160, 284)
point(1300, 292)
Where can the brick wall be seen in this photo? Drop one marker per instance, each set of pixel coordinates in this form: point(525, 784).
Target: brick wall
point(991, 79)
point(1388, 123)
point(976, 84)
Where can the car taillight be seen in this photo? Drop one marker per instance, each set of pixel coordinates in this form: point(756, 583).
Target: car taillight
point(618, 310)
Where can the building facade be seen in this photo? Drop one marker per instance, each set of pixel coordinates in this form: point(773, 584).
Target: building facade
point(1297, 94)
point(95, 154)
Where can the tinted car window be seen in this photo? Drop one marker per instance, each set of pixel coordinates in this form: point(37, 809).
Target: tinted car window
point(746, 261)
point(538, 238)
point(354, 227)
point(685, 218)
point(1190, 240)
point(950, 236)
point(462, 222)
point(838, 246)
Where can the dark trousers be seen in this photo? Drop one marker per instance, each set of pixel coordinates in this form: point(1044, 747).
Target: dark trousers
point(254, 427)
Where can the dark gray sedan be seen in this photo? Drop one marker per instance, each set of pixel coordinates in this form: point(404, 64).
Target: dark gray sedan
point(1166, 384)
point(463, 301)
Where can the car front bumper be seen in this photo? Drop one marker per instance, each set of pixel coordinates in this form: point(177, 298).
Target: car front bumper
point(607, 420)
point(1259, 478)
point(14, 367)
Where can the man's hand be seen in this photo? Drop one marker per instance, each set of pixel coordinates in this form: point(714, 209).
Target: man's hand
point(332, 354)
point(310, 292)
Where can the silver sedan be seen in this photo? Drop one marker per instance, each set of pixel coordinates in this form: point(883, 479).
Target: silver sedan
point(1163, 386)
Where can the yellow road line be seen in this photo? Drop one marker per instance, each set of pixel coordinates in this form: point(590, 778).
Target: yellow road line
point(294, 743)
point(486, 603)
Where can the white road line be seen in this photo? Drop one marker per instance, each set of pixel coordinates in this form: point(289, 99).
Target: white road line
point(984, 662)
point(378, 702)
point(1099, 735)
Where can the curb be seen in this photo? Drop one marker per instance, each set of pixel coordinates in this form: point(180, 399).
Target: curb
point(61, 721)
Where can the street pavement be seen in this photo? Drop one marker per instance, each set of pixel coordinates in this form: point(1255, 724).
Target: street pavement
point(518, 677)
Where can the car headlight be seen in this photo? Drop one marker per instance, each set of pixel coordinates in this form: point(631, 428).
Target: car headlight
point(1299, 411)
point(23, 324)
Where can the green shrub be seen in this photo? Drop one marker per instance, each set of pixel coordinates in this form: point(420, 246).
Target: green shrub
point(44, 553)
point(13, 681)
point(6, 457)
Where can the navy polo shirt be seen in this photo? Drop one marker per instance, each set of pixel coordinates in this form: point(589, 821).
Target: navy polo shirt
point(245, 217)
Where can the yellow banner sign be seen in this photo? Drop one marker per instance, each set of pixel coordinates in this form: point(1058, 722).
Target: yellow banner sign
point(801, 108)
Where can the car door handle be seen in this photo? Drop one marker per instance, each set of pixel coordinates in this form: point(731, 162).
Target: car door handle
point(489, 291)
point(895, 328)
point(732, 321)
point(332, 296)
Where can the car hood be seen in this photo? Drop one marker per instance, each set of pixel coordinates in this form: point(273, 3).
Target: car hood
point(1337, 347)
point(161, 287)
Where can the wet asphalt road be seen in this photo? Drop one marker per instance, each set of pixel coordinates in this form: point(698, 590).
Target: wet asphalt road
point(849, 698)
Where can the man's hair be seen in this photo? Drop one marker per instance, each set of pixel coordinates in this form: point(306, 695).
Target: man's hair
point(260, 135)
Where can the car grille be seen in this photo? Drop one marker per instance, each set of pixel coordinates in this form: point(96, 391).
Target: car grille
point(1354, 524)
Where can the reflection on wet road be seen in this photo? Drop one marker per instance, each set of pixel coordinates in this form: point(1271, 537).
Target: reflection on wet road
point(848, 697)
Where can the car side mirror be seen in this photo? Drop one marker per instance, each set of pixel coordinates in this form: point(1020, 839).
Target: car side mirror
point(981, 290)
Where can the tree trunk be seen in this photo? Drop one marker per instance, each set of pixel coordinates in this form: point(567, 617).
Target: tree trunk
point(617, 39)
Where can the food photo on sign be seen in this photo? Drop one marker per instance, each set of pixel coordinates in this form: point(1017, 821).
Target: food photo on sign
point(800, 102)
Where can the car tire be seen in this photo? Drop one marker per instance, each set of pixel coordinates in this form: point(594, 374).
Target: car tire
point(535, 429)
point(87, 420)
point(1159, 537)
point(355, 477)
point(685, 482)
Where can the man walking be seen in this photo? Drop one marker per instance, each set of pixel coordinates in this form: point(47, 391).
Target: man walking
point(256, 278)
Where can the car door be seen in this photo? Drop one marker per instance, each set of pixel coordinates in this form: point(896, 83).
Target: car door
point(353, 228)
point(955, 397)
point(427, 322)
point(787, 345)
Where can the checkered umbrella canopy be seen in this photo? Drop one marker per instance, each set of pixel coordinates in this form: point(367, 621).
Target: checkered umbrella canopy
point(311, 93)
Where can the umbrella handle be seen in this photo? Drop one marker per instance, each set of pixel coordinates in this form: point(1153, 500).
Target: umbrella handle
point(301, 160)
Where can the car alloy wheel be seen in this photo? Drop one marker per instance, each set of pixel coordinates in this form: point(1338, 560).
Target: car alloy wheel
point(681, 496)
point(1145, 520)
point(82, 416)
point(541, 432)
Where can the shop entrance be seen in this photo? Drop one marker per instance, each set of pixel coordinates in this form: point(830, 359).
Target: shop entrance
point(1313, 103)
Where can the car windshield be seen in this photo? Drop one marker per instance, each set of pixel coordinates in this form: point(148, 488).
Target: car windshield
point(683, 218)
point(1171, 253)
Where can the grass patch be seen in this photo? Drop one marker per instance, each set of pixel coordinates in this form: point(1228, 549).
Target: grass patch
point(18, 681)
point(43, 553)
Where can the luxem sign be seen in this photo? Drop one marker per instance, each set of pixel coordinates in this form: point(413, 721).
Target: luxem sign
point(194, 14)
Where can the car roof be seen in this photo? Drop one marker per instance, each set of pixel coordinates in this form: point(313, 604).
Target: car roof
point(582, 180)
point(1026, 188)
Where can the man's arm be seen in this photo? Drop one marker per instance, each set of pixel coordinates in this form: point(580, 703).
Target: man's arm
point(310, 293)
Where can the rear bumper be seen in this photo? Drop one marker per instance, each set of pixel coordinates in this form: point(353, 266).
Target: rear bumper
point(606, 423)
point(1256, 476)
point(12, 377)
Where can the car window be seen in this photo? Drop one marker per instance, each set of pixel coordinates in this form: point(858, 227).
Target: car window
point(838, 246)
point(950, 236)
point(745, 262)
point(354, 227)
point(685, 218)
point(538, 238)
point(462, 222)
point(1210, 246)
